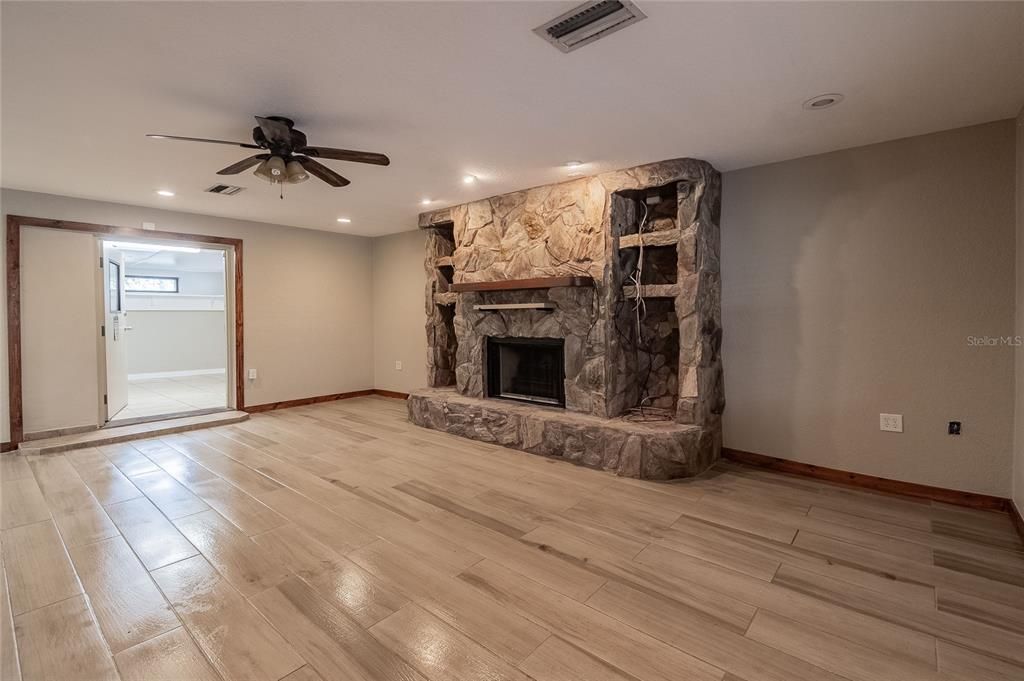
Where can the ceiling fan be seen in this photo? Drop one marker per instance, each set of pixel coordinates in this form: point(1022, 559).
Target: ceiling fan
point(287, 158)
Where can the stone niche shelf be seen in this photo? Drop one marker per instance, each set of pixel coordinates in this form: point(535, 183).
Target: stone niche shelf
point(665, 237)
point(649, 451)
point(443, 261)
point(446, 298)
point(522, 284)
point(652, 291)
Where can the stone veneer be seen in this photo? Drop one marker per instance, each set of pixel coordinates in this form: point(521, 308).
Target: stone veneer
point(586, 227)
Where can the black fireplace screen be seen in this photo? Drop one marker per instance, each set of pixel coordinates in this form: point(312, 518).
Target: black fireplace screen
point(527, 369)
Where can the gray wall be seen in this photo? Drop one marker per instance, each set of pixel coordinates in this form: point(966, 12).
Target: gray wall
point(398, 316)
point(308, 316)
point(176, 340)
point(1018, 448)
point(851, 283)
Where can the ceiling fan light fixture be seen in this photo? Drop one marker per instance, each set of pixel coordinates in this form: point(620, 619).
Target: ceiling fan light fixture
point(296, 173)
point(272, 170)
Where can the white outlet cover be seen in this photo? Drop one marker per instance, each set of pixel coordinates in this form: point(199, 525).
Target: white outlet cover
point(891, 423)
point(398, 365)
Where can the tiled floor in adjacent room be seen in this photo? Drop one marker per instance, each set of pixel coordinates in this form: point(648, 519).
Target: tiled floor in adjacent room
point(337, 541)
point(158, 396)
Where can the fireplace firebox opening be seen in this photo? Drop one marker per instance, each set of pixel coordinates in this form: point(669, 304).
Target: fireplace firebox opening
point(527, 370)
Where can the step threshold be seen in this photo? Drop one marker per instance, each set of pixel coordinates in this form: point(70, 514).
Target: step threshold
point(137, 431)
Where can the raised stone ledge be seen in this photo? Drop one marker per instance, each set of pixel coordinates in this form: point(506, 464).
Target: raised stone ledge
point(649, 451)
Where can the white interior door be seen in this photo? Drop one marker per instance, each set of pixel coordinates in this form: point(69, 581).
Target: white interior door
point(115, 327)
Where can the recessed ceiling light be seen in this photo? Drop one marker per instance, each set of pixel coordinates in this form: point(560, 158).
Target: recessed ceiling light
point(823, 101)
point(165, 192)
point(345, 220)
point(426, 202)
point(573, 164)
point(468, 179)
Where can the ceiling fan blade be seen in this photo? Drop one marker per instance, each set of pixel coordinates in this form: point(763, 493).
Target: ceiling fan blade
point(276, 132)
point(323, 172)
point(245, 164)
point(200, 139)
point(346, 155)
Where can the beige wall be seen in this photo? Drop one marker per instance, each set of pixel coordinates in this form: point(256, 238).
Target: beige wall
point(851, 282)
point(1018, 448)
point(59, 321)
point(398, 316)
point(308, 316)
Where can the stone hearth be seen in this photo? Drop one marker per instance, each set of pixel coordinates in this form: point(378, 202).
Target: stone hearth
point(657, 222)
point(652, 451)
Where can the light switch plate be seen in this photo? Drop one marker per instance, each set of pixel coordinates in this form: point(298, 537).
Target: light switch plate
point(252, 374)
point(891, 423)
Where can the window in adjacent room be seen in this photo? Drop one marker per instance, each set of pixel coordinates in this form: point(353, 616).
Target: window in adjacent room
point(137, 284)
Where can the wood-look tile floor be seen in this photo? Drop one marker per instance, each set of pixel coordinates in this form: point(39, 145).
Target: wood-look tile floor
point(338, 542)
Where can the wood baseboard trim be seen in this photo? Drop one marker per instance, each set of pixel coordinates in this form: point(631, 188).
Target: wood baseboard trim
point(7, 446)
point(391, 393)
point(908, 489)
point(303, 401)
point(1016, 517)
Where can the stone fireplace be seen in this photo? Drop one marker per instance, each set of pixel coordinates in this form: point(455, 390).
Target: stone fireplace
point(582, 320)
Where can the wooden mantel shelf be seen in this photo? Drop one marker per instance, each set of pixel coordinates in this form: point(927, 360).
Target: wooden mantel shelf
point(522, 284)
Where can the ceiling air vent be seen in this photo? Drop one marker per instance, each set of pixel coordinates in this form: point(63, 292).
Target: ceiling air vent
point(589, 22)
point(225, 189)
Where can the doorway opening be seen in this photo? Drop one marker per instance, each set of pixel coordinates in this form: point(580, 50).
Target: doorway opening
point(167, 345)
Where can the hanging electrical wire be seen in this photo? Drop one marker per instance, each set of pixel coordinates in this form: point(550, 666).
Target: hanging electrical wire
point(643, 412)
point(639, 306)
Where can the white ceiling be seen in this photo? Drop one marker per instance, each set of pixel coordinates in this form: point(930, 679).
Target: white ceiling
point(452, 88)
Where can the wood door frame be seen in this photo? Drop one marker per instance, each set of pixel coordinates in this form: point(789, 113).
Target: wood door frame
point(13, 278)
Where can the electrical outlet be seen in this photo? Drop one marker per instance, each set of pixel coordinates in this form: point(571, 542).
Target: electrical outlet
point(252, 374)
point(398, 365)
point(954, 428)
point(892, 423)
